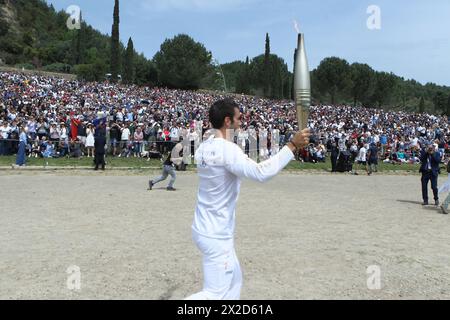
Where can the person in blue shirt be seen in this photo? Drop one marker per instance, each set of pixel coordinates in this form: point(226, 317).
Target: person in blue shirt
point(383, 142)
point(48, 148)
point(21, 157)
point(430, 160)
point(373, 158)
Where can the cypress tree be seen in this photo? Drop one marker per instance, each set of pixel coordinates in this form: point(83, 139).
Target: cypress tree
point(293, 78)
point(422, 105)
point(129, 63)
point(115, 55)
point(79, 44)
point(266, 83)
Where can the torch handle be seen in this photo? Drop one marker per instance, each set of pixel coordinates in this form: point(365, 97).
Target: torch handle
point(303, 101)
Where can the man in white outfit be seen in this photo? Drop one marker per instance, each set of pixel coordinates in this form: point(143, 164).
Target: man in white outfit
point(221, 164)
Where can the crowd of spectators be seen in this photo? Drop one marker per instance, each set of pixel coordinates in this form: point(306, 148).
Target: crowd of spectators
point(61, 117)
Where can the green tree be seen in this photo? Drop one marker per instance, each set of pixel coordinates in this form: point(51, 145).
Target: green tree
point(448, 106)
point(91, 72)
point(278, 69)
point(243, 77)
point(245, 87)
point(422, 105)
point(115, 42)
point(129, 63)
point(234, 73)
point(363, 83)
point(84, 72)
point(287, 91)
point(333, 77)
point(182, 63)
point(35, 32)
point(293, 78)
point(79, 49)
point(386, 84)
point(145, 71)
point(267, 68)
point(440, 101)
point(3, 27)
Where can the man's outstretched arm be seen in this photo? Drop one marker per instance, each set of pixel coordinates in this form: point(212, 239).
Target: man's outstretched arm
point(244, 167)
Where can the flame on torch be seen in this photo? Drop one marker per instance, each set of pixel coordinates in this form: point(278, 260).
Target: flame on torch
point(296, 26)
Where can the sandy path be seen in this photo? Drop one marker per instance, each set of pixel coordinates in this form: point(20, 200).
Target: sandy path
point(298, 237)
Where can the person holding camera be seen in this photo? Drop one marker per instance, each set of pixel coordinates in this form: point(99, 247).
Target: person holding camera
point(430, 160)
point(115, 137)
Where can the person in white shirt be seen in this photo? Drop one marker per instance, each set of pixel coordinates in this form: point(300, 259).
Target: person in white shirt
point(221, 164)
point(175, 134)
point(90, 140)
point(125, 136)
point(194, 140)
point(361, 159)
point(119, 116)
point(63, 132)
point(5, 130)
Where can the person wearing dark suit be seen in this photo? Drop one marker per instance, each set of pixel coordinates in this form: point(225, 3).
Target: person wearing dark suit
point(373, 158)
point(99, 145)
point(334, 157)
point(430, 160)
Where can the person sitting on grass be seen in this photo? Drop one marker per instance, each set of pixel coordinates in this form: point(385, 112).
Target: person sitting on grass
point(63, 148)
point(401, 157)
point(320, 154)
point(49, 151)
point(75, 149)
point(35, 148)
point(154, 153)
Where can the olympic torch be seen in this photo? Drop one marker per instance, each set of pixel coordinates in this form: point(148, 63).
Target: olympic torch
point(302, 84)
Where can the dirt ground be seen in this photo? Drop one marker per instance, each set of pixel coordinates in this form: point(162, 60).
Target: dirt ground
point(300, 236)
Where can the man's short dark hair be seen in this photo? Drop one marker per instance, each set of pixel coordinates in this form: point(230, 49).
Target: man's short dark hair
point(220, 110)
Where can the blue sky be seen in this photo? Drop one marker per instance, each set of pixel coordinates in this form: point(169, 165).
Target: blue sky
point(413, 42)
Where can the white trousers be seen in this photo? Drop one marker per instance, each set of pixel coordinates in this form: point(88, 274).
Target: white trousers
point(222, 276)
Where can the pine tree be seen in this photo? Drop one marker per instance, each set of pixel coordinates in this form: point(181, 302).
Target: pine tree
point(115, 54)
point(129, 63)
